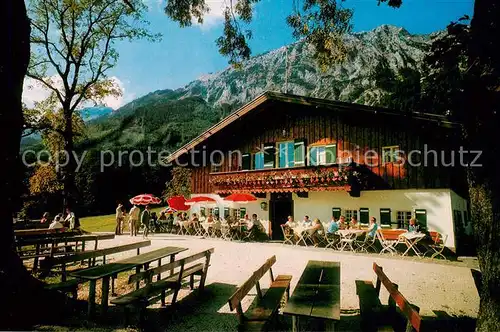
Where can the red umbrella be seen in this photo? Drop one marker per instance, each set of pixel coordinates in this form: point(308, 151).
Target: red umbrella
point(170, 210)
point(200, 199)
point(145, 199)
point(241, 198)
point(178, 203)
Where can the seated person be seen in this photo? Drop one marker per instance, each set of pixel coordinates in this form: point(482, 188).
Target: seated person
point(372, 229)
point(413, 227)
point(210, 218)
point(255, 226)
point(306, 222)
point(342, 223)
point(333, 226)
point(290, 223)
point(315, 231)
point(57, 222)
point(163, 216)
point(354, 223)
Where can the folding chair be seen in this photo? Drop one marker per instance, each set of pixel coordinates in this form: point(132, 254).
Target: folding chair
point(303, 236)
point(198, 229)
point(346, 240)
point(387, 245)
point(437, 246)
point(331, 240)
point(287, 234)
point(225, 230)
point(367, 243)
point(206, 229)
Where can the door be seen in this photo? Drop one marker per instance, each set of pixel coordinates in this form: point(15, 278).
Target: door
point(281, 206)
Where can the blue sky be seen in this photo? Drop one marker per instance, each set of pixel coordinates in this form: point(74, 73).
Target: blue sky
point(185, 54)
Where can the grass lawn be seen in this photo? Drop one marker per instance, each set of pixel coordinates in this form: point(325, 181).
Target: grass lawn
point(105, 223)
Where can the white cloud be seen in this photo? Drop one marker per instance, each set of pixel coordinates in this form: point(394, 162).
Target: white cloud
point(215, 15)
point(34, 91)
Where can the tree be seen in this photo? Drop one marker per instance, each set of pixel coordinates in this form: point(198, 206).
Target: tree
point(180, 184)
point(73, 48)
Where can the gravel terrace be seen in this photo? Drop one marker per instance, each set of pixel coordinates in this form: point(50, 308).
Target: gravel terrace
point(435, 286)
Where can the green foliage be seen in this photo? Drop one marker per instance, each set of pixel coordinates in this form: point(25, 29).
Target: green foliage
point(323, 23)
point(180, 184)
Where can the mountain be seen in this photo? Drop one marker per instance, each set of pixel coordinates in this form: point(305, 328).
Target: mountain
point(91, 113)
point(377, 61)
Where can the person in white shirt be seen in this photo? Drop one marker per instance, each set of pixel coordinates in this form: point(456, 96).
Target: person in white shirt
point(306, 222)
point(290, 222)
point(56, 223)
point(119, 219)
point(133, 220)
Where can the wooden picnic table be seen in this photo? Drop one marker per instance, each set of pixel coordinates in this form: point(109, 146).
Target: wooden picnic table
point(317, 294)
point(54, 239)
point(106, 271)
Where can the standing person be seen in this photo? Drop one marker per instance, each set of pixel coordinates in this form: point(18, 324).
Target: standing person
point(133, 220)
point(145, 218)
point(119, 219)
point(70, 219)
point(45, 218)
point(123, 224)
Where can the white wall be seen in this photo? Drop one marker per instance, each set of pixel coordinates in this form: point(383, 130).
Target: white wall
point(437, 203)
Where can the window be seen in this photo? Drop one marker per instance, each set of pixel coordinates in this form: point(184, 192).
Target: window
point(258, 160)
point(216, 212)
point(286, 155)
point(226, 212)
point(246, 162)
point(322, 154)
point(336, 212)
point(390, 154)
point(385, 217)
point(421, 216)
point(242, 213)
point(364, 215)
point(269, 155)
point(403, 219)
point(202, 212)
point(351, 213)
point(299, 153)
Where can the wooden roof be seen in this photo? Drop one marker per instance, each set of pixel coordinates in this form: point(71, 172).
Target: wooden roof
point(318, 103)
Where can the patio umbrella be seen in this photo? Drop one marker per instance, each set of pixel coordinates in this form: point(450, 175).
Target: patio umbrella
point(200, 200)
point(145, 199)
point(170, 210)
point(240, 198)
point(178, 203)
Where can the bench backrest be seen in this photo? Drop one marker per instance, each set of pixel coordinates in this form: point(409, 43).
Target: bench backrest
point(235, 299)
point(407, 309)
point(148, 275)
point(83, 255)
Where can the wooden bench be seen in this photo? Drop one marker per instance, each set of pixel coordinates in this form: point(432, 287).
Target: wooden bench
point(259, 317)
point(153, 291)
point(372, 311)
point(71, 286)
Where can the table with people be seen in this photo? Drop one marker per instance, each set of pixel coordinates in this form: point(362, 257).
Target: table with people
point(342, 235)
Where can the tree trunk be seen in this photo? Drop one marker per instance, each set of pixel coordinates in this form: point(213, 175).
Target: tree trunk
point(69, 170)
point(22, 298)
point(481, 129)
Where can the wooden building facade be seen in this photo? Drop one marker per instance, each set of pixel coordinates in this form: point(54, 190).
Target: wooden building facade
point(291, 148)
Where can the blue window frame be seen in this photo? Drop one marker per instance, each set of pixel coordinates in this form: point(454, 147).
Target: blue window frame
point(286, 155)
point(259, 160)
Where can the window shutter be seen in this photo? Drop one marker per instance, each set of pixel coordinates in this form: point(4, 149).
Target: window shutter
point(282, 154)
point(290, 154)
point(313, 154)
point(331, 154)
point(269, 155)
point(245, 161)
point(385, 216)
point(364, 215)
point(336, 212)
point(421, 216)
point(259, 160)
point(299, 153)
